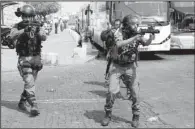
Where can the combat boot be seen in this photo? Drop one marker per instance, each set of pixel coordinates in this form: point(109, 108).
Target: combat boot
point(135, 121)
point(22, 102)
point(34, 108)
point(107, 118)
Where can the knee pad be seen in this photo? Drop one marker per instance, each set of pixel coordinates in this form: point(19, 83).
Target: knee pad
point(136, 109)
point(109, 101)
point(135, 106)
point(30, 98)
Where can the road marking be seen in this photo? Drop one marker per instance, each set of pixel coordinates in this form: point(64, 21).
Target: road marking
point(67, 100)
point(71, 100)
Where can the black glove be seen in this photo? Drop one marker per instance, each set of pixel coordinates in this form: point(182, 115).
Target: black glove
point(37, 29)
point(27, 29)
point(34, 29)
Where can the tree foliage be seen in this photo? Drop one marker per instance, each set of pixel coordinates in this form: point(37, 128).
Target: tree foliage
point(45, 8)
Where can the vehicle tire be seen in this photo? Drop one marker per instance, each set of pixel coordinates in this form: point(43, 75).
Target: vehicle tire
point(11, 46)
point(3, 38)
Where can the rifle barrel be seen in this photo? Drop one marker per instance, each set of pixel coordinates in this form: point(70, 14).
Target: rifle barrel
point(149, 31)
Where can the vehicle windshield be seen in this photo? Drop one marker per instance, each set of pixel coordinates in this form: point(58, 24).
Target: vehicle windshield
point(183, 4)
point(188, 24)
point(150, 12)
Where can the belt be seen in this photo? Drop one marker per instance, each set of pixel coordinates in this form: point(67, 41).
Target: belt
point(122, 63)
point(35, 54)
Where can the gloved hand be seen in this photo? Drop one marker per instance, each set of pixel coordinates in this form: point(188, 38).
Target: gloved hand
point(37, 29)
point(27, 29)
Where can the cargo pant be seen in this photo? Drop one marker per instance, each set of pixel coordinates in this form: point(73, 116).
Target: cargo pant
point(126, 74)
point(28, 67)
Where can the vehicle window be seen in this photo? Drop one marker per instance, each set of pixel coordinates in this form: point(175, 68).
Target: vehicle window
point(187, 24)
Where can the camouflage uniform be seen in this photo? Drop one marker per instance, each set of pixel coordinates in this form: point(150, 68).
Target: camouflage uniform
point(123, 68)
point(29, 63)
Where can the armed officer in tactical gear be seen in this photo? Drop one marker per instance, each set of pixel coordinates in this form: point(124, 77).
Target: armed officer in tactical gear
point(28, 48)
point(124, 55)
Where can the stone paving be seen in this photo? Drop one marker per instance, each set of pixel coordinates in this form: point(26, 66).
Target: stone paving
point(71, 96)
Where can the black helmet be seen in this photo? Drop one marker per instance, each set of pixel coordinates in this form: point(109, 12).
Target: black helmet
point(26, 10)
point(131, 19)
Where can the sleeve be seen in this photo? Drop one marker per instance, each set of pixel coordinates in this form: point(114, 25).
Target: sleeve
point(42, 34)
point(142, 41)
point(14, 33)
point(118, 36)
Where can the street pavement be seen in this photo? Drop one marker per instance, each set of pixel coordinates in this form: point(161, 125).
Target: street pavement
point(74, 96)
point(62, 45)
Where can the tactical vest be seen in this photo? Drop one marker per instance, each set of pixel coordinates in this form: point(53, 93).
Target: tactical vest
point(28, 46)
point(127, 54)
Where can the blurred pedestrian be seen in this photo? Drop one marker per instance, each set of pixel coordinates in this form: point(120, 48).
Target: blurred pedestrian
point(78, 30)
point(61, 25)
point(56, 23)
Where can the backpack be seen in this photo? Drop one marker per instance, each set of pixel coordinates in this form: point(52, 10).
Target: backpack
point(108, 37)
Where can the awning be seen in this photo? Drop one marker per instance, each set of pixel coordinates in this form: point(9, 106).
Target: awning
point(185, 10)
point(7, 3)
point(3, 5)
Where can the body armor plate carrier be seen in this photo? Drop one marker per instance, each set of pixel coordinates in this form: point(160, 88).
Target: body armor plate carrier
point(28, 46)
point(127, 54)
